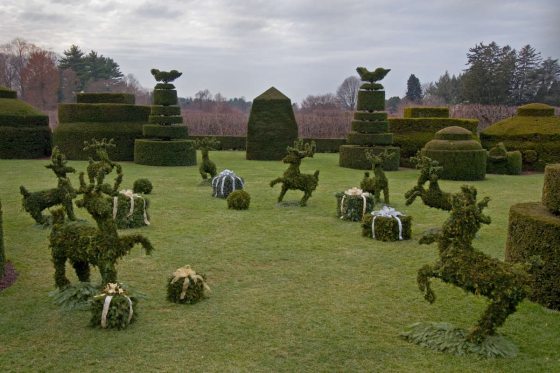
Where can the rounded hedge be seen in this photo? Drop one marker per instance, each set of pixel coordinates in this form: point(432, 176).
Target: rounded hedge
point(272, 126)
point(143, 186)
point(70, 137)
point(165, 97)
point(165, 110)
point(165, 119)
point(534, 231)
point(363, 126)
point(17, 113)
point(105, 98)
point(164, 153)
point(238, 200)
point(371, 101)
point(370, 139)
point(354, 156)
point(453, 133)
point(551, 188)
point(535, 110)
point(426, 112)
point(165, 132)
point(366, 116)
point(73, 113)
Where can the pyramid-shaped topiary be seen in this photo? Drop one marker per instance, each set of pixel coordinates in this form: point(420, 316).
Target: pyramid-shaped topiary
point(370, 128)
point(272, 126)
point(166, 141)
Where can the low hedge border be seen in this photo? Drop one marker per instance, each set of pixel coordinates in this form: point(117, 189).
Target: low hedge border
point(238, 143)
point(363, 126)
point(426, 112)
point(105, 98)
point(164, 153)
point(353, 156)
point(73, 113)
point(25, 142)
point(165, 132)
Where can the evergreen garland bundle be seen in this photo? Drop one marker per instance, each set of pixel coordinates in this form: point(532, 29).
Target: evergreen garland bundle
point(225, 183)
point(186, 286)
point(113, 308)
point(353, 204)
point(130, 210)
point(386, 225)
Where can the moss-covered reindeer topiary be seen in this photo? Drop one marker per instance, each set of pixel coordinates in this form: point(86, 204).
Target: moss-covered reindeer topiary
point(460, 264)
point(82, 244)
point(34, 203)
point(378, 183)
point(207, 167)
point(430, 170)
point(293, 179)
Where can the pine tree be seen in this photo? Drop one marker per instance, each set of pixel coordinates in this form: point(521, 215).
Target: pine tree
point(526, 76)
point(413, 89)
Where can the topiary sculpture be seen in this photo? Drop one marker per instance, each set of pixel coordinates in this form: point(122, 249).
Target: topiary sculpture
point(378, 182)
point(165, 76)
point(143, 186)
point(238, 200)
point(293, 178)
point(500, 161)
point(460, 264)
point(225, 183)
point(82, 244)
point(207, 167)
point(429, 172)
point(34, 203)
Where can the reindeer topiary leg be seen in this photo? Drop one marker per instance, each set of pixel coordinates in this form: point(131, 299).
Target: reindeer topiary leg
point(82, 270)
point(59, 262)
point(423, 280)
point(282, 193)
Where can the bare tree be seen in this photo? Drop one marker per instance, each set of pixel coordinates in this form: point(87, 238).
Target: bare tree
point(327, 101)
point(347, 92)
point(40, 79)
point(16, 53)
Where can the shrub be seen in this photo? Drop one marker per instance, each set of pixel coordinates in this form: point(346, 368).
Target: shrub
point(238, 200)
point(165, 97)
point(105, 98)
point(370, 139)
point(121, 308)
point(73, 113)
point(426, 112)
point(272, 126)
point(365, 126)
point(186, 286)
point(371, 101)
point(165, 120)
point(143, 186)
point(551, 188)
point(164, 153)
point(165, 110)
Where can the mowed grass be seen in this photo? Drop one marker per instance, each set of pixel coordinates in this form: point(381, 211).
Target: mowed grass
point(293, 289)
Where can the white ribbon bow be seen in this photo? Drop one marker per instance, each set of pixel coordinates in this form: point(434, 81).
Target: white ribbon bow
point(130, 194)
point(222, 177)
point(354, 192)
point(387, 212)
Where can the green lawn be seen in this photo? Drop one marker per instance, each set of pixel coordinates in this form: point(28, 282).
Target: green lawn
point(293, 289)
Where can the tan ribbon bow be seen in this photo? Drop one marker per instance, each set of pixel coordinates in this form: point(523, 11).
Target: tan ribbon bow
point(188, 274)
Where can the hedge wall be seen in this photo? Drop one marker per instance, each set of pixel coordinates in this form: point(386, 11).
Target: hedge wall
point(239, 143)
point(370, 139)
point(70, 137)
point(25, 142)
point(17, 113)
point(165, 132)
point(426, 112)
point(164, 153)
point(105, 98)
point(353, 156)
point(535, 231)
point(72, 113)
point(272, 126)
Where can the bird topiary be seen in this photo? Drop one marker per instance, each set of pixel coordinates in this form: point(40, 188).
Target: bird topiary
point(225, 183)
point(500, 161)
point(143, 186)
point(114, 308)
point(186, 286)
point(207, 167)
point(238, 200)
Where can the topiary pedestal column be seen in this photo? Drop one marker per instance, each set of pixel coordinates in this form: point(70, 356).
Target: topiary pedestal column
point(534, 231)
point(370, 128)
point(166, 142)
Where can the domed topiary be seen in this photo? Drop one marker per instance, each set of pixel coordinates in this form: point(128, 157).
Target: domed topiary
point(272, 126)
point(143, 186)
point(238, 200)
point(534, 131)
point(461, 157)
point(370, 129)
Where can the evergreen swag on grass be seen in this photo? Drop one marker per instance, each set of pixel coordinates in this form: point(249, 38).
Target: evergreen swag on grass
point(186, 286)
point(114, 308)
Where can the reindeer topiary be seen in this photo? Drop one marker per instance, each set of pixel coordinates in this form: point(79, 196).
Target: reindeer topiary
point(207, 167)
point(82, 244)
point(34, 203)
point(460, 264)
point(430, 171)
point(378, 182)
point(293, 178)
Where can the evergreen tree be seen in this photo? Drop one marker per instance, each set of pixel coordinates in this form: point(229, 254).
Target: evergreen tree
point(526, 76)
point(74, 59)
point(413, 89)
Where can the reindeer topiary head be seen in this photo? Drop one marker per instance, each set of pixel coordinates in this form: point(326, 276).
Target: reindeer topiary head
point(58, 164)
point(299, 151)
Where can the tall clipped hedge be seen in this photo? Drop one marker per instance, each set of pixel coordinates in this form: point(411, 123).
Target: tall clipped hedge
point(426, 112)
point(153, 152)
point(24, 131)
point(102, 112)
point(271, 127)
point(105, 98)
point(534, 131)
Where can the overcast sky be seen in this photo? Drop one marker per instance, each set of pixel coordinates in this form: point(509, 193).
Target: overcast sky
point(242, 47)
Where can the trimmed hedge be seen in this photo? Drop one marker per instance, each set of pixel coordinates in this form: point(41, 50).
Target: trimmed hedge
point(371, 101)
point(70, 137)
point(535, 110)
point(7, 93)
point(165, 120)
point(426, 112)
point(17, 113)
point(356, 138)
point(367, 116)
point(105, 98)
point(164, 153)
point(364, 126)
point(165, 132)
point(431, 125)
point(272, 126)
point(387, 229)
point(551, 188)
point(72, 113)
point(353, 156)
point(25, 142)
point(165, 110)
point(410, 143)
point(535, 231)
point(165, 97)
point(511, 165)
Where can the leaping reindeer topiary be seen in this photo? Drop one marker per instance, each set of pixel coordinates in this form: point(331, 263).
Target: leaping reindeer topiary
point(430, 170)
point(506, 285)
point(378, 182)
point(207, 167)
point(83, 244)
point(293, 178)
point(34, 203)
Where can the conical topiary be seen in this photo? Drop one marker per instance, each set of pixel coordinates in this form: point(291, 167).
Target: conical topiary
point(272, 126)
point(370, 128)
point(166, 141)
